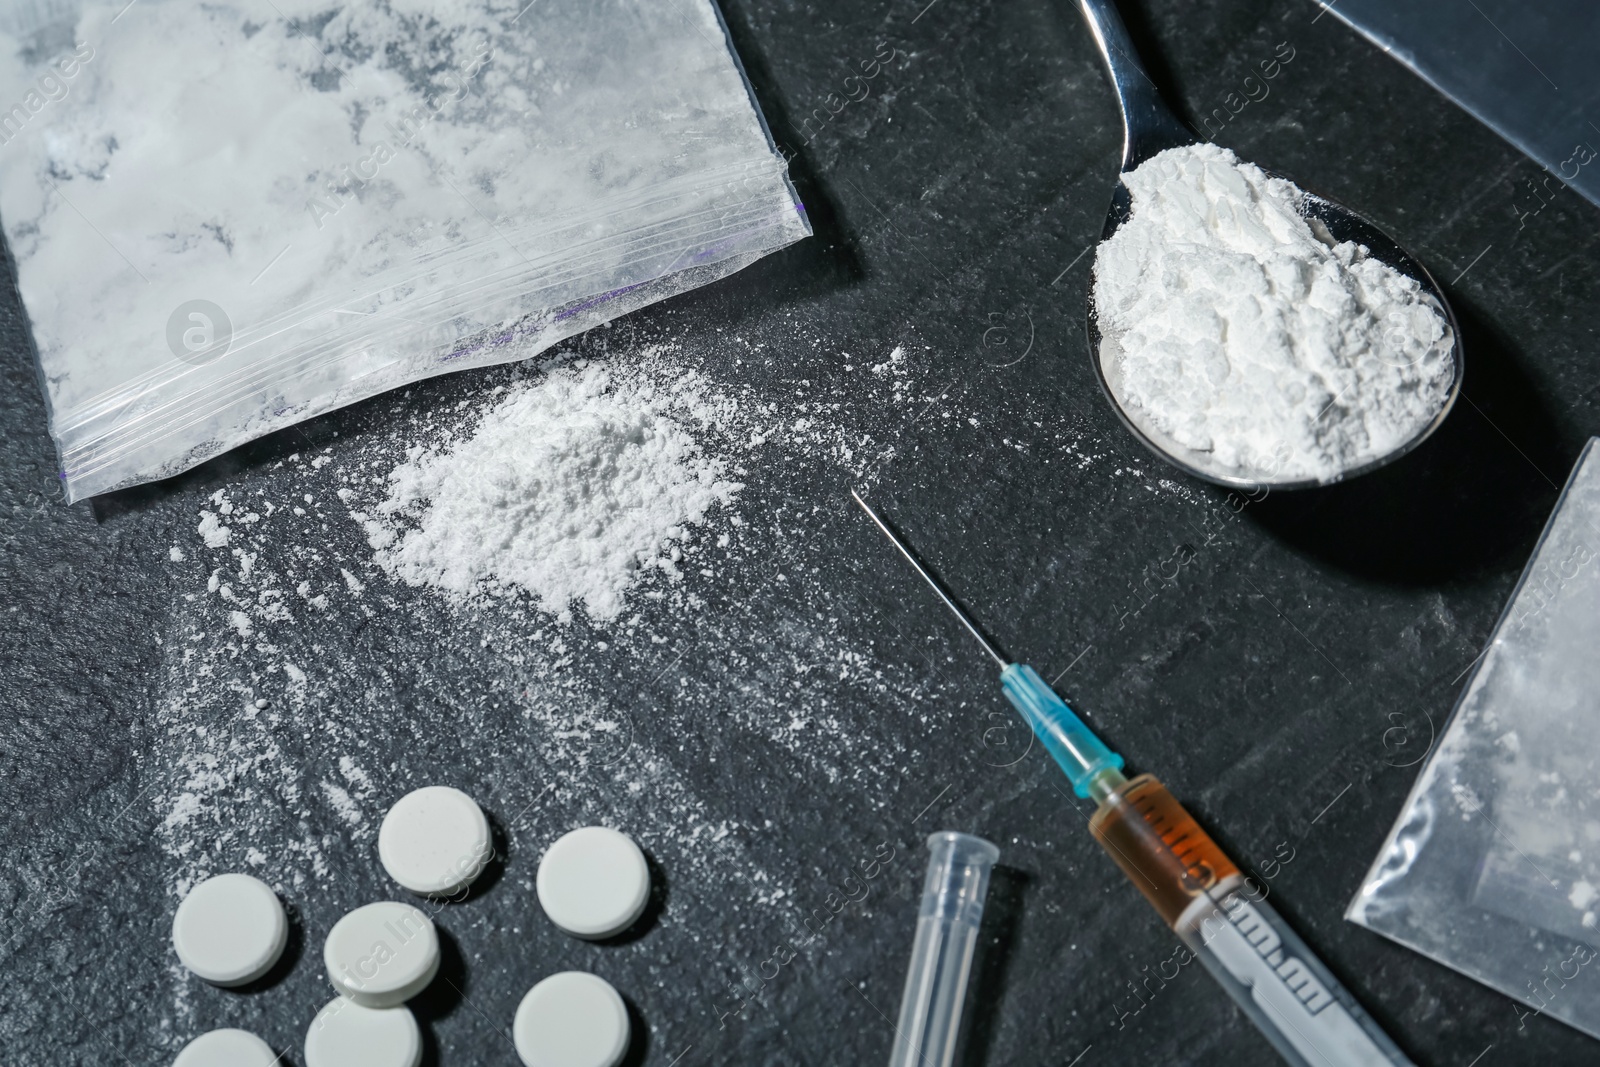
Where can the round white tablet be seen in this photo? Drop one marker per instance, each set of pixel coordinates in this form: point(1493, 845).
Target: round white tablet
point(382, 955)
point(345, 1034)
point(593, 882)
point(435, 841)
point(571, 1019)
point(230, 929)
point(226, 1048)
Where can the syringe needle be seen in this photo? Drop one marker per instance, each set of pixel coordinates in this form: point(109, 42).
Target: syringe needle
point(933, 583)
point(1092, 767)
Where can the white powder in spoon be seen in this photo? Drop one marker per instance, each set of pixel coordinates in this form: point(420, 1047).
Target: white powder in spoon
point(569, 488)
point(1233, 331)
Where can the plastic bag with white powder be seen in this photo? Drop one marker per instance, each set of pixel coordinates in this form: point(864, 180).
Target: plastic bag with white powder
point(227, 218)
point(1493, 867)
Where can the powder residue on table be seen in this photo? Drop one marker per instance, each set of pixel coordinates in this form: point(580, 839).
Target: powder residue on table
point(302, 687)
point(568, 488)
point(1232, 330)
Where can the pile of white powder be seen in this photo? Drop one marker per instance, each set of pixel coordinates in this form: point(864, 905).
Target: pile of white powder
point(569, 488)
point(1231, 330)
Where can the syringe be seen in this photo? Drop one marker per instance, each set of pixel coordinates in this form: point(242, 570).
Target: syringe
point(1263, 965)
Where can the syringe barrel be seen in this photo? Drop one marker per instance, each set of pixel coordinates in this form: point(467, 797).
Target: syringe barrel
point(1293, 999)
point(941, 956)
point(1225, 922)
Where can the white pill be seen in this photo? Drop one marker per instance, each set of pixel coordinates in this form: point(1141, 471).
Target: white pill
point(230, 929)
point(226, 1048)
point(346, 1034)
point(434, 840)
point(593, 882)
point(382, 955)
point(571, 1019)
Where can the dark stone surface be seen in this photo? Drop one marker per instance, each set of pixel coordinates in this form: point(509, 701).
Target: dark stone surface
point(1282, 684)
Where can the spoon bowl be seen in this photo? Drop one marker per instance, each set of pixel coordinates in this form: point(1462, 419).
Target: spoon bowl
point(1150, 128)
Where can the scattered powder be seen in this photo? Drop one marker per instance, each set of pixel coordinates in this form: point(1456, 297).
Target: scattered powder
point(1232, 329)
point(353, 773)
point(211, 530)
point(568, 488)
point(347, 808)
point(251, 731)
point(354, 584)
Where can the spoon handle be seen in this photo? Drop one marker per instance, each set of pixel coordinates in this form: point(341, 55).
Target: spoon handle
point(1149, 126)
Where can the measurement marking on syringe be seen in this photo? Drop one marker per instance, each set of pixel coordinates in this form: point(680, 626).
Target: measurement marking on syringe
point(1293, 973)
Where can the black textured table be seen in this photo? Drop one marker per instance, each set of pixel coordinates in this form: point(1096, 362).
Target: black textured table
point(788, 740)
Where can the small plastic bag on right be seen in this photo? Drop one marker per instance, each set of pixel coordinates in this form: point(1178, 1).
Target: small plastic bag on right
point(1493, 867)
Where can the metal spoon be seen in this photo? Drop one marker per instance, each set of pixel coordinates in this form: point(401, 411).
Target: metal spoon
point(1150, 127)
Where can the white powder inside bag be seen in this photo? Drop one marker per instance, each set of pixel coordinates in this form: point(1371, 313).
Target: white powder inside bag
point(230, 216)
point(1231, 330)
point(569, 488)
